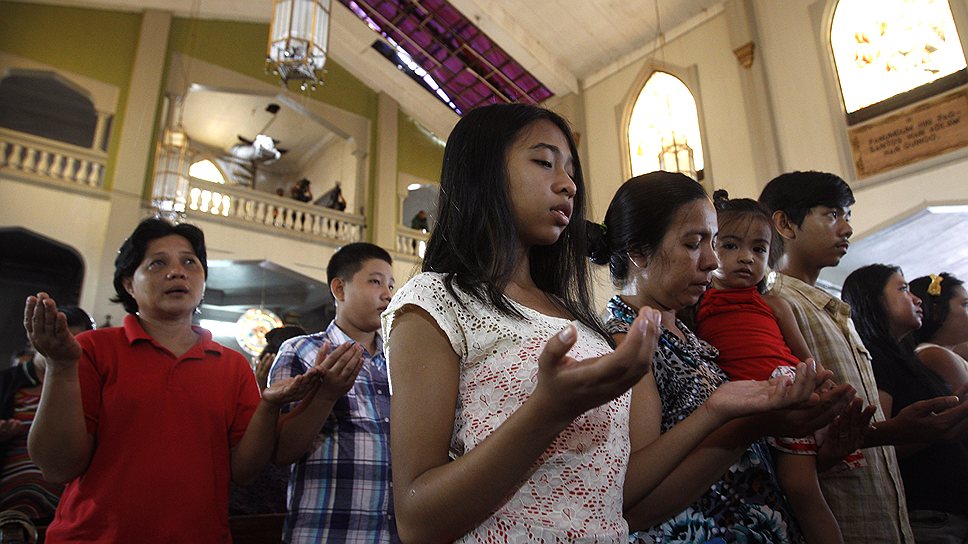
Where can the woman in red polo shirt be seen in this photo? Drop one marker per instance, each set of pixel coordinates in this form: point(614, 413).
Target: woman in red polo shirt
point(147, 422)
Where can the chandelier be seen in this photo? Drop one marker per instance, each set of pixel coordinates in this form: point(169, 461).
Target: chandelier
point(677, 156)
point(173, 158)
point(298, 41)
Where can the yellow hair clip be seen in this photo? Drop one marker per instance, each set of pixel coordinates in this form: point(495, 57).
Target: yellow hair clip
point(934, 288)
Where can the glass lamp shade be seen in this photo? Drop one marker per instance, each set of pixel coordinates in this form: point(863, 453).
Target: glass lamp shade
point(251, 329)
point(172, 162)
point(299, 40)
point(677, 156)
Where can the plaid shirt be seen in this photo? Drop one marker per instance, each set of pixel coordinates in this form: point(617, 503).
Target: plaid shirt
point(868, 502)
point(340, 490)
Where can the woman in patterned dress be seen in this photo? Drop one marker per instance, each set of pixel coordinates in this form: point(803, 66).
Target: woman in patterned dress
point(510, 409)
point(658, 240)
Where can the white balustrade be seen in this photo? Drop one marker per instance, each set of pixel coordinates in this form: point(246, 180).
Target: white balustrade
point(273, 212)
point(50, 159)
point(411, 242)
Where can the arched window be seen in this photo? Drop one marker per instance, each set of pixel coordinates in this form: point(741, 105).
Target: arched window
point(663, 129)
point(894, 52)
point(207, 170)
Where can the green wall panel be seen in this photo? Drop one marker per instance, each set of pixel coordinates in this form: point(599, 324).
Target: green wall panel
point(94, 43)
point(241, 47)
point(418, 153)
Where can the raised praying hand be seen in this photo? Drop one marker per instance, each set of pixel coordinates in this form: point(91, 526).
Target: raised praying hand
point(569, 387)
point(747, 397)
point(48, 332)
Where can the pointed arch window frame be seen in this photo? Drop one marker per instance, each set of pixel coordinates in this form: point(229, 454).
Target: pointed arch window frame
point(689, 76)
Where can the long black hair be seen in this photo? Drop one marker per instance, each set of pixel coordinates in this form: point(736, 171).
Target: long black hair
point(474, 240)
point(638, 218)
point(935, 307)
point(864, 291)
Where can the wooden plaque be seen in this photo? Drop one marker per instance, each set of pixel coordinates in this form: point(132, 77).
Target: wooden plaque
point(930, 128)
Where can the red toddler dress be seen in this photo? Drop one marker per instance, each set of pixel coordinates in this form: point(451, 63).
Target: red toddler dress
point(742, 326)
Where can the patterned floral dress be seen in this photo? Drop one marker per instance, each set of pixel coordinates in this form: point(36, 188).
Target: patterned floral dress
point(746, 505)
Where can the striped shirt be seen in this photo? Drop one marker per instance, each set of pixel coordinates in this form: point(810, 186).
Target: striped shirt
point(340, 490)
point(868, 502)
point(22, 486)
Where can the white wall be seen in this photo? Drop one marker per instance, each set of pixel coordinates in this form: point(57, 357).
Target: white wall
point(810, 130)
point(705, 52)
point(230, 242)
point(335, 162)
point(71, 218)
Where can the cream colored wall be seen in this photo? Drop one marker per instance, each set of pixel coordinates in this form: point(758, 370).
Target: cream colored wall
point(790, 50)
point(228, 242)
point(810, 132)
point(75, 219)
point(722, 114)
point(403, 270)
point(334, 163)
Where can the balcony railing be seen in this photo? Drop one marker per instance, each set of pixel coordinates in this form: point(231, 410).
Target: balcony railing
point(273, 212)
point(411, 242)
point(50, 159)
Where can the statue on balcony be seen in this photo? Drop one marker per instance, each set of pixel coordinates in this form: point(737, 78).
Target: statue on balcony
point(332, 199)
point(301, 191)
point(419, 221)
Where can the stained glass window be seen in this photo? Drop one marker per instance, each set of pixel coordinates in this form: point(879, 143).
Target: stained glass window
point(663, 129)
point(885, 47)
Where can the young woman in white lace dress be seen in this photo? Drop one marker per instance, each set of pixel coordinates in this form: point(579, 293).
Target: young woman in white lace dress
point(510, 411)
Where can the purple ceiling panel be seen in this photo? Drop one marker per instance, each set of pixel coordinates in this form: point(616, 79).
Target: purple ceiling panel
point(470, 68)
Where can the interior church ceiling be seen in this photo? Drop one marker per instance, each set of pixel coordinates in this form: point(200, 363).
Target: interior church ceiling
point(568, 45)
point(565, 44)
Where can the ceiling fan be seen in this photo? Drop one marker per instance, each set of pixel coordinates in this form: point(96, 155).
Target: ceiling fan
point(250, 154)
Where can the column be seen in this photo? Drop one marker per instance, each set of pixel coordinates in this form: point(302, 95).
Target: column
point(383, 222)
point(134, 150)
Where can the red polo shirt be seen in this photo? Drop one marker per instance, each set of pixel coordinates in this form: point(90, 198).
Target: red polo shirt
point(163, 430)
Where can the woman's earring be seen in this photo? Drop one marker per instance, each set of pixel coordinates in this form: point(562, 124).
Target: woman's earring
point(632, 259)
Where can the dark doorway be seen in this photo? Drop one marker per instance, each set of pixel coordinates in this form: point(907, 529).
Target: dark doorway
point(30, 262)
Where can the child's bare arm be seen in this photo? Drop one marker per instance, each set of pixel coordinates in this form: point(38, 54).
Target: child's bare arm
point(798, 478)
point(438, 500)
point(788, 326)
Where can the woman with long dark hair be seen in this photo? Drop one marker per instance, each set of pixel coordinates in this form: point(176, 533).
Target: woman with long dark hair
point(510, 409)
point(658, 240)
point(935, 476)
point(944, 327)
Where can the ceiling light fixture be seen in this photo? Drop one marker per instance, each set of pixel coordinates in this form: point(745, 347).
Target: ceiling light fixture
point(173, 158)
point(251, 329)
point(299, 41)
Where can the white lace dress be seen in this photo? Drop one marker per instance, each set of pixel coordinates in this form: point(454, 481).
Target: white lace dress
point(574, 492)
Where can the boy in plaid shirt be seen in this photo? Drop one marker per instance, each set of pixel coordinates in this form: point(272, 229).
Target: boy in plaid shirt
point(338, 439)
